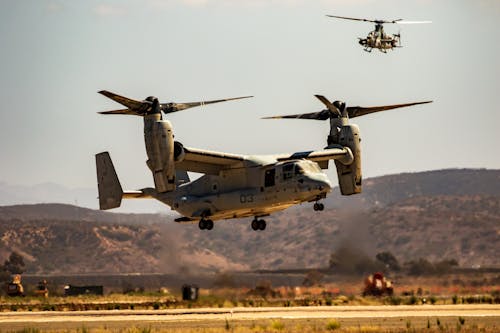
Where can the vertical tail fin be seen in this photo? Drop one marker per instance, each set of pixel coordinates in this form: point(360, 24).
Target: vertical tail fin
point(110, 190)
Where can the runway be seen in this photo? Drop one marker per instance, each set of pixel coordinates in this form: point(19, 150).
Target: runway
point(214, 317)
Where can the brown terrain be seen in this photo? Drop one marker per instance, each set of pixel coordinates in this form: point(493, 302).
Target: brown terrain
point(446, 214)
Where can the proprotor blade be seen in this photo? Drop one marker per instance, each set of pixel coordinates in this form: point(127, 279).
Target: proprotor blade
point(121, 111)
point(125, 101)
point(321, 115)
point(329, 105)
point(357, 111)
point(174, 107)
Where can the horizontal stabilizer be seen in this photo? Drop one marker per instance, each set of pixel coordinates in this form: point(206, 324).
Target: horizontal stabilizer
point(136, 195)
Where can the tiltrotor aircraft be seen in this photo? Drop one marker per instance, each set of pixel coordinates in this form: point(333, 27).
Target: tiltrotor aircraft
point(235, 186)
point(378, 39)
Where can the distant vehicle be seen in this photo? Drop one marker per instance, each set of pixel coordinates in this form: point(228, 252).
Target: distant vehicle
point(378, 39)
point(190, 292)
point(234, 185)
point(377, 285)
point(41, 289)
point(71, 290)
point(15, 288)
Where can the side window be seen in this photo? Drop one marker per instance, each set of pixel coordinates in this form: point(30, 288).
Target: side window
point(269, 177)
point(287, 171)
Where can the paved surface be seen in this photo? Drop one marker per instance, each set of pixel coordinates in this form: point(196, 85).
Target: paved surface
point(193, 317)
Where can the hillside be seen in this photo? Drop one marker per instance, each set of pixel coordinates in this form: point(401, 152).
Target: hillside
point(63, 212)
point(465, 227)
point(437, 215)
point(385, 190)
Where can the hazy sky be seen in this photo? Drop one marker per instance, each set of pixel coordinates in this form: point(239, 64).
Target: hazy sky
point(56, 55)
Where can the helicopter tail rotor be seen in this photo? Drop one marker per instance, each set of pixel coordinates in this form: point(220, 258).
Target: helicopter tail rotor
point(397, 40)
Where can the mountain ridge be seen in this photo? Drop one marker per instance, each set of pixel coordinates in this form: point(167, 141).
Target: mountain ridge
point(440, 214)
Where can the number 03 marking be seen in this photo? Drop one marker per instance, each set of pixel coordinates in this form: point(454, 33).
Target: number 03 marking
point(246, 198)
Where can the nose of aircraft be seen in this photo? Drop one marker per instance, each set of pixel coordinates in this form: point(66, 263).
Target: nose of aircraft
point(321, 182)
point(325, 185)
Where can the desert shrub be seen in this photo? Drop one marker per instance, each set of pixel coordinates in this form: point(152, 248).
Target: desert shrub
point(277, 325)
point(332, 325)
point(393, 300)
point(412, 300)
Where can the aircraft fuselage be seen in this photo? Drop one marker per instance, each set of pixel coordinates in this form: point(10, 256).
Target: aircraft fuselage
point(243, 192)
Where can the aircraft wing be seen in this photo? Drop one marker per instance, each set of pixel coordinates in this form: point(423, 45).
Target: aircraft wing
point(209, 162)
point(343, 154)
point(212, 162)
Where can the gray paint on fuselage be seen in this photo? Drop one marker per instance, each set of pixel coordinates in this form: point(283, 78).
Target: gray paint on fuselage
point(217, 196)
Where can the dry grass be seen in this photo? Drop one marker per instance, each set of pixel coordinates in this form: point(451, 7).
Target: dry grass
point(275, 326)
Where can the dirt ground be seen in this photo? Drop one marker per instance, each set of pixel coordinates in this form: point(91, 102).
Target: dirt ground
point(289, 319)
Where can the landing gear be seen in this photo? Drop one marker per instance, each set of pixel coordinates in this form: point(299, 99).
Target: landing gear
point(258, 224)
point(206, 224)
point(318, 206)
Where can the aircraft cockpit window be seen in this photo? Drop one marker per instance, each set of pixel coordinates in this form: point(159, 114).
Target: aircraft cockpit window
point(288, 171)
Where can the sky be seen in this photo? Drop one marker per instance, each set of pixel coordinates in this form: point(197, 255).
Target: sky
point(55, 56)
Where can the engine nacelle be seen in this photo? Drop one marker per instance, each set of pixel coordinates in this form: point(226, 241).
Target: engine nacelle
point(179, 152)
point(159, 140)
point(350, 175)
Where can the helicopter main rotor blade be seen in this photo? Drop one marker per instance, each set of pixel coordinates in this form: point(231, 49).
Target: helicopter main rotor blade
point(357, 111)
point(365, 20)
point(321, 115)
point(413, 22)
point(352, 18)
point(174, 107)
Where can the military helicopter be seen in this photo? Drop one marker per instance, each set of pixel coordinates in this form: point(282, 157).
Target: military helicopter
point(233, 185)
point(378, 39)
